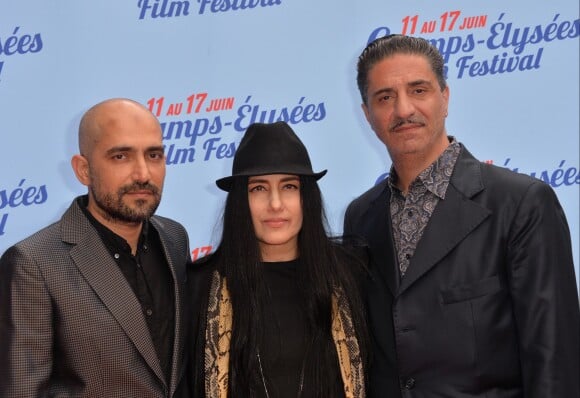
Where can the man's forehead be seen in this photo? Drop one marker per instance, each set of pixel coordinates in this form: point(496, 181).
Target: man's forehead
point(127, 136)
point(407, 70)
point(403, 60)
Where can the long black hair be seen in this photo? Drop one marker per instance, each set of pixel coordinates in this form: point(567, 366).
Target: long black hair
point(325, 266)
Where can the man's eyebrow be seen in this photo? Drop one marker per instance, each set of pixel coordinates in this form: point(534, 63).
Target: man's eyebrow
point(117, 149)
point(420, 82)
point(126, 148)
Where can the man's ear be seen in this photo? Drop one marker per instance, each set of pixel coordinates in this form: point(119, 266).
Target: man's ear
point(80, 166)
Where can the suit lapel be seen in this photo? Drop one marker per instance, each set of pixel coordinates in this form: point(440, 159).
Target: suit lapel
point(177, 266)
point(104, 276)
point(453, 219)
point(379, 227)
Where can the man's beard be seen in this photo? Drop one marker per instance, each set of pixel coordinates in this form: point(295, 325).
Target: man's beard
point(114, 209)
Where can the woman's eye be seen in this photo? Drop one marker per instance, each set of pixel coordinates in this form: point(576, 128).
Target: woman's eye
point(257, 188)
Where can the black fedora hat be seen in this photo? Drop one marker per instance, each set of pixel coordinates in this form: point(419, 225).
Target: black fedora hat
point(269, 148)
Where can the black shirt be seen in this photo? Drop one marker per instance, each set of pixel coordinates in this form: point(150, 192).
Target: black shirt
point(286, 337)
point(149, 276)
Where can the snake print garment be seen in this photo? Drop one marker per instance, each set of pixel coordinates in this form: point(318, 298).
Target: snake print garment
point(347, 347)
point(218, 336)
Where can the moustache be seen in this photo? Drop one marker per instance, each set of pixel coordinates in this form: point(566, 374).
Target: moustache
point(401, 122)
point(137, 186)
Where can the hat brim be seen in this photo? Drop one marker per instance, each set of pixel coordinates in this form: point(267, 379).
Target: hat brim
point(225, 183)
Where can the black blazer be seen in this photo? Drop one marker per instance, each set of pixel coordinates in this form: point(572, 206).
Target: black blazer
point(488, 306)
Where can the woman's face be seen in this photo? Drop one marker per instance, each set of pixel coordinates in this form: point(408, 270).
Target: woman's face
point(276, 210)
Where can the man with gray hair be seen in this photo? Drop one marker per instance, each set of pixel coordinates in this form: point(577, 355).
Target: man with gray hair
point(472, 292)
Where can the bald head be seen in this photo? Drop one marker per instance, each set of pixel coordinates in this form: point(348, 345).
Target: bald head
point(107, 116)
point(121, 162)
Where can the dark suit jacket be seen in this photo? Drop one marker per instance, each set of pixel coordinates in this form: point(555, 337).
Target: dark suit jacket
point(488, 306)
point(70, 325)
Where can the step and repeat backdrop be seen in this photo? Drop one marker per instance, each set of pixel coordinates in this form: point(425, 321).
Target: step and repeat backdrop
point(209, 68)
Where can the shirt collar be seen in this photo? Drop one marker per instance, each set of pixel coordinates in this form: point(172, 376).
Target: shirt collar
point(115, 241)
point(437, 175)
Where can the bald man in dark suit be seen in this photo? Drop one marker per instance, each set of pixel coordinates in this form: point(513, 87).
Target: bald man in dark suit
point(92, 305)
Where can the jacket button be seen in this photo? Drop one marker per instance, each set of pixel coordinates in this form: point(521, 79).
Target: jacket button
point(409, 383)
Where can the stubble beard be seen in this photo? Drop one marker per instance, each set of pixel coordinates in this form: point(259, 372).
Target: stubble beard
point(113, 208)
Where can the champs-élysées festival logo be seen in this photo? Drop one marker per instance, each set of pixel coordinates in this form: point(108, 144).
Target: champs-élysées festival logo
point(16, 43)
point(477, 45)
point(154, 9)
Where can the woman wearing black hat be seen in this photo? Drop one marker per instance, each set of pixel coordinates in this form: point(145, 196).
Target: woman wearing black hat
point(277, 309)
